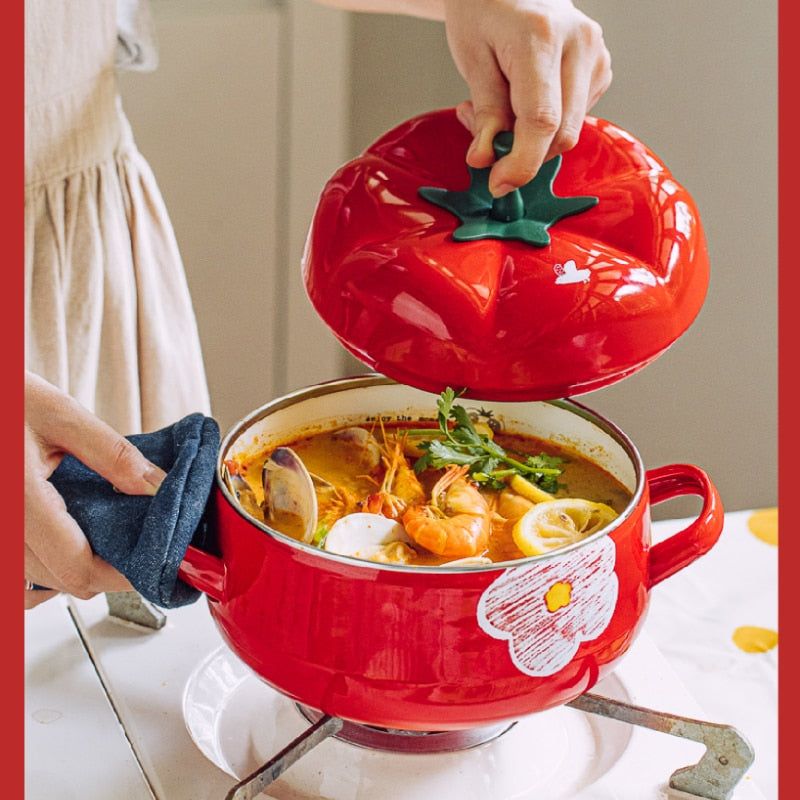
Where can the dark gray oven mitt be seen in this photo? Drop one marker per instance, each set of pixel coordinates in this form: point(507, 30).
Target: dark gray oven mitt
point(146, 538)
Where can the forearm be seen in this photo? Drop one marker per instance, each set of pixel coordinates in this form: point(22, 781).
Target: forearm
point(425, 9)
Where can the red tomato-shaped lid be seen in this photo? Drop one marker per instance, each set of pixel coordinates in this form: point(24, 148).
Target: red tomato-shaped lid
point(577, 280)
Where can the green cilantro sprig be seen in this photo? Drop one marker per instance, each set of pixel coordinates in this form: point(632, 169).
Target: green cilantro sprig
point(489, 463)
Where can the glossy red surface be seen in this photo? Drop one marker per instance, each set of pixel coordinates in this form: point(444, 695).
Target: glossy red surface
point(404, 647)
point(505, 320)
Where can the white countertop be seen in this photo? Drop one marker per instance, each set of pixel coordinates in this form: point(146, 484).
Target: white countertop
point(132, 742)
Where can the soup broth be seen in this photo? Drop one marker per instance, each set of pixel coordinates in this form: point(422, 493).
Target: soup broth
point(443, 516)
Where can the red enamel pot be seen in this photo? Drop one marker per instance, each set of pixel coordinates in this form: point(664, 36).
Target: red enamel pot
point(443, 648)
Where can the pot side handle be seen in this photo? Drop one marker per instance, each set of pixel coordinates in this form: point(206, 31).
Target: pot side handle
point(680, 549)
point(203, 571)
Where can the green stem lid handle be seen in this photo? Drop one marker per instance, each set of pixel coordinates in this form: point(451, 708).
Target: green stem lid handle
point(525, 213)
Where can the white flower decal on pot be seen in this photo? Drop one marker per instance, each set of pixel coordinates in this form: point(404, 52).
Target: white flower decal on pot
point(546, 610)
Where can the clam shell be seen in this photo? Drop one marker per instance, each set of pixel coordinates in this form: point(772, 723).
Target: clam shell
point(244, 494)
point(289, 489)
point(364, 535)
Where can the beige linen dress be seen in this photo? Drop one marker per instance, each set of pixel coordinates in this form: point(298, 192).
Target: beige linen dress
point(108, 316)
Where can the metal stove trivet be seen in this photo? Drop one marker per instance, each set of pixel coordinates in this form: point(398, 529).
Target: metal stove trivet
point(727, 757)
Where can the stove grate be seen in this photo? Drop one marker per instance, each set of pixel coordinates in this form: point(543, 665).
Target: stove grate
point(727, 757)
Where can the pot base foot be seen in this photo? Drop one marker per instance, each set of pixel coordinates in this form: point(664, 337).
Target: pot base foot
point(403, 741)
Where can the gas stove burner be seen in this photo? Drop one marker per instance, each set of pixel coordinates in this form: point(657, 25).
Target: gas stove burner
point(402, 741)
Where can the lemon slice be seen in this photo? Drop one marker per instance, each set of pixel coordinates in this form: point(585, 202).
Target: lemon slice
point(557, 523)
point(529, 489)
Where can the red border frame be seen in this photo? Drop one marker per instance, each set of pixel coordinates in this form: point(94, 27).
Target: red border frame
point(788, 362)
point(12, 69)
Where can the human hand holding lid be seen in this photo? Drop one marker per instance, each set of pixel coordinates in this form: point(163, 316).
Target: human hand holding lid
point(577, 280)
point(532, 66)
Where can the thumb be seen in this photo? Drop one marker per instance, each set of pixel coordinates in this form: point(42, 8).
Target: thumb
point(60, 424)
point(115, 458)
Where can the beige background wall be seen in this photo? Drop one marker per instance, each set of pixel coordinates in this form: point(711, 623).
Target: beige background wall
point(243, 121)
point(695, 81)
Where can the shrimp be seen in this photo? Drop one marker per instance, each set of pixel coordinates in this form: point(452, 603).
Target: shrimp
point(333, 502)
point(400, 487)
point(457, 522)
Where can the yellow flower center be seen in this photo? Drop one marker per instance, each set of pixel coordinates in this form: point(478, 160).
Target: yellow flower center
point(558, 596)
